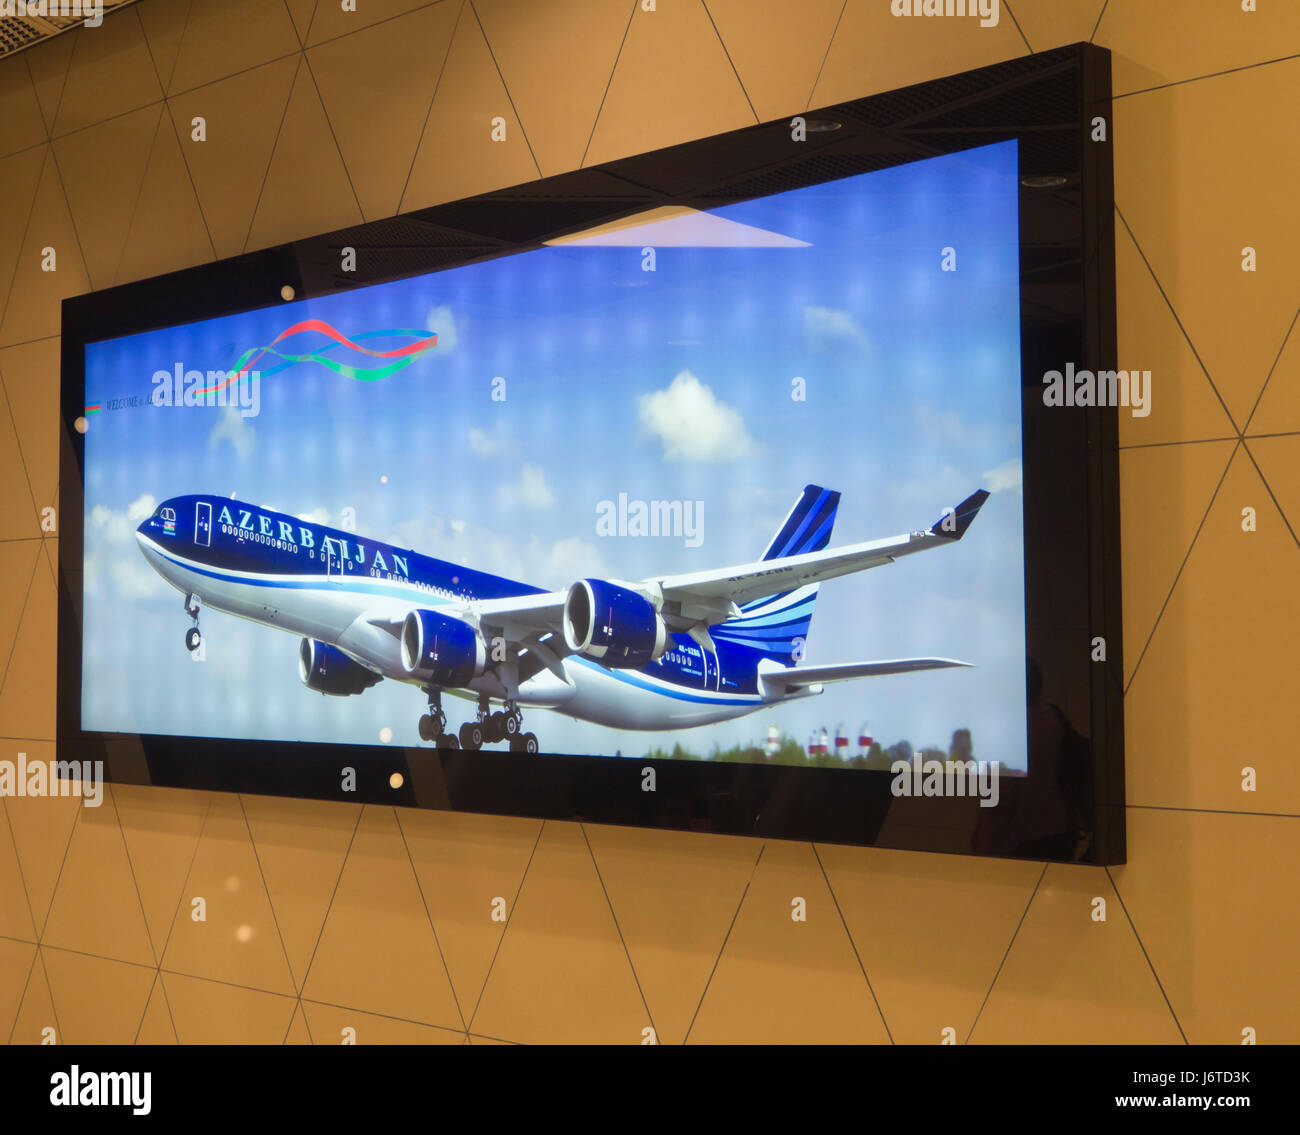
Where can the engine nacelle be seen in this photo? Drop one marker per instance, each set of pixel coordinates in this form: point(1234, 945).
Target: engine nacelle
point(614, 626)
point(327, 670)
point(441, 650)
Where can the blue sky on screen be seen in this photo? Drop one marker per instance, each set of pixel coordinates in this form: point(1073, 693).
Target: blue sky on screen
point(673, 384)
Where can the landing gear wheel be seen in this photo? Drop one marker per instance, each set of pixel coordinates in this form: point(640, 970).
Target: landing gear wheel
point(528, 742)
point(447, 741)
point(471, 735)
point(433, 725)
point(495, 728)
point(512, 724)
point(193, 640)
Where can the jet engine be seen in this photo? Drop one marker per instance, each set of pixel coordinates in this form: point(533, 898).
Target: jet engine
point(440, 650)
point(612, 625)
point(327, 670)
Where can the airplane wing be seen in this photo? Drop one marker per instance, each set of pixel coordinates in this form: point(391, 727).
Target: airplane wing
point(694, 601)
point(713, 592)
point(533, 624)
point(778, 683)
point(524, 616)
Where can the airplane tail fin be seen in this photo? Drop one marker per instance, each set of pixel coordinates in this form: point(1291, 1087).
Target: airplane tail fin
point(777, 625)
point(808, 526)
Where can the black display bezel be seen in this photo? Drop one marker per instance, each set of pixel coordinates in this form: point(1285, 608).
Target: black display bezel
point(1057, 105)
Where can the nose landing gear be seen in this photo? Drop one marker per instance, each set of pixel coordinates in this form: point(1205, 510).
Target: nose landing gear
point(193, 637)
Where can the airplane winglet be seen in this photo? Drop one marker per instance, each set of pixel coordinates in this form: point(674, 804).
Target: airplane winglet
point(952, 525)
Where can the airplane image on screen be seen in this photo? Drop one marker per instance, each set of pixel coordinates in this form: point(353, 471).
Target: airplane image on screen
point(666, 652)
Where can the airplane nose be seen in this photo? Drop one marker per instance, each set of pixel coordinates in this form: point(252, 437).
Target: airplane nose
point(146, 532)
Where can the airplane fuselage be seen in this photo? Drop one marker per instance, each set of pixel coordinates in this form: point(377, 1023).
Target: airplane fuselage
point(353, 592)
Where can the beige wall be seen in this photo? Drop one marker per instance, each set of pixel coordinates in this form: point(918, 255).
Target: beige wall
point(327, 916)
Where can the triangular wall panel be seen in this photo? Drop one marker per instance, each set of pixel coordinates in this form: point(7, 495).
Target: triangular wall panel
point(557, 93)
point(1053, 23)
point(307, 190)
point(458, 155)
point(784, 980)
point(704, 98)
point(376, 87)
point(378, 949)
point(562, 973)
point(97, 909)
point(874, 50)
point(464, 864)
point(103, 168)
point(1191, 697)
point(36, 294)
point(242, 116)
point(675, 895)
point(99, 1001)
point(20, 113)
point(1195, 241)
point(1069, 978)
point(906, 912)
point(238, 939)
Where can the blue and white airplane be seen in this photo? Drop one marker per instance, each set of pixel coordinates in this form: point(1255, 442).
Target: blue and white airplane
point(667, 652)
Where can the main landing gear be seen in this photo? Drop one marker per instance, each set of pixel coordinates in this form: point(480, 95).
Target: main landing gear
point(193, 639)
point(487, 729)
point(433, 725)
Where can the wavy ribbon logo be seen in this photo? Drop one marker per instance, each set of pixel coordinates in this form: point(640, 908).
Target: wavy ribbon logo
point(391, 361)
point(387, 362)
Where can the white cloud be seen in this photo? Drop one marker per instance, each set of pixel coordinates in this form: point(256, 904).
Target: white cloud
point(233, 427)
point(530, 490)
point(828, 326)
point(113, 563)
point(442, 322)
point(946, 428)
point(535, 561)
point(119, 527)
point(693, 424)
point(422, 531)
point(316, 516)
point(141, 509)
point(482, 443)
point(1008, 475)
point(567, 559)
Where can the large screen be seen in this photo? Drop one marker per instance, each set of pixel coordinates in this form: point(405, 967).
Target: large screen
point(727, 487)
point(732, 484)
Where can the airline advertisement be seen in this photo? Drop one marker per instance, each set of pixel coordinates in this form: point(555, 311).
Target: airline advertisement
point(731, 485)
